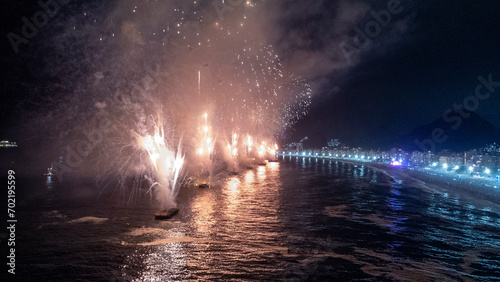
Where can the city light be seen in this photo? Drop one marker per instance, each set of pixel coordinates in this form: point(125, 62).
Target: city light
point(395, 163)
point(454, 163)
point(249, 143)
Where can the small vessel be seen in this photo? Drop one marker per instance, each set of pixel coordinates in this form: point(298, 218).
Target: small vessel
point(263, 163)
point(204, 185)
point(49, 171)
point(233, 173)
point(166, 214)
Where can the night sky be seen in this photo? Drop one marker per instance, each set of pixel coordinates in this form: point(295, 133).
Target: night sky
point(425, 59)
point(419, 66)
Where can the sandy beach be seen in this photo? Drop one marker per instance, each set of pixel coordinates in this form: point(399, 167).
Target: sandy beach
point(441, 183)
point(436, 183)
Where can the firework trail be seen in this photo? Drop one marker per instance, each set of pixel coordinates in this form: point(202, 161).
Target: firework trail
point(202, 77)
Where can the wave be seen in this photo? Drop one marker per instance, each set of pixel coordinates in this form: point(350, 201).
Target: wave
point(165, 241)
point(54, 214)
point(88, 219)
point(336, 211)
point(146, 231)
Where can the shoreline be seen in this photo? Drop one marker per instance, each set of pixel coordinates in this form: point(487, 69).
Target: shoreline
point(438, 183)
point(435, 183)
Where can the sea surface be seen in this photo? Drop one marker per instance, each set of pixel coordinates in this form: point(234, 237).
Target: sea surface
point(300, 219)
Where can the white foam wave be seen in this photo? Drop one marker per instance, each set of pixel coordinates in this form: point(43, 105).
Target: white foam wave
point(170, 240)
point(89, 219)
point(147, 231)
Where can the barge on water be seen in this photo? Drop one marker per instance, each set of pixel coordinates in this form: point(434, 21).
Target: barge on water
point(166, 214)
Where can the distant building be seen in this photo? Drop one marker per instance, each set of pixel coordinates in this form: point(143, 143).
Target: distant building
point(492, 148)
point(451, 159)
point(7, 144)
point(334, 143)
point(419, 158)
point(488, 161)
point(471, 158)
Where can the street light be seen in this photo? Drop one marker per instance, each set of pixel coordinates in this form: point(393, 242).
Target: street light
point(471, 168)
point(487, 171)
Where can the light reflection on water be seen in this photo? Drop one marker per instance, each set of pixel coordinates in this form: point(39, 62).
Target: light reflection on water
point(240, 219)
point(307, 220)
point(203, 207)
point(164, 261)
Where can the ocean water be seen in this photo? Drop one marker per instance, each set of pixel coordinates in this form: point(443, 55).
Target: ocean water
point(301, 219)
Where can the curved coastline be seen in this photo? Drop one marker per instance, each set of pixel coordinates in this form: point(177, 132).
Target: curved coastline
point(434, 183)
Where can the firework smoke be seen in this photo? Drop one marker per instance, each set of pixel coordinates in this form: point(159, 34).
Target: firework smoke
point(212, 83)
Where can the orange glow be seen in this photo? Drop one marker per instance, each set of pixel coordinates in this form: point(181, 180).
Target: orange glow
point(273, 165)
point(261, 172)
point(249, 143)
point(249, 177)
point(233, 185)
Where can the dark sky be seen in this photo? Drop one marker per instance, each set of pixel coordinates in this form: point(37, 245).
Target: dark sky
point(423, 61)
point(406, 78)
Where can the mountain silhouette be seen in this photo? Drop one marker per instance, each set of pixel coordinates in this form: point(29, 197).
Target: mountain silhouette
point(459, 134)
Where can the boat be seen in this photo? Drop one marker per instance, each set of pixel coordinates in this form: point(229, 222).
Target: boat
point(203, 185)
point(49, 171)
point(166, 214)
